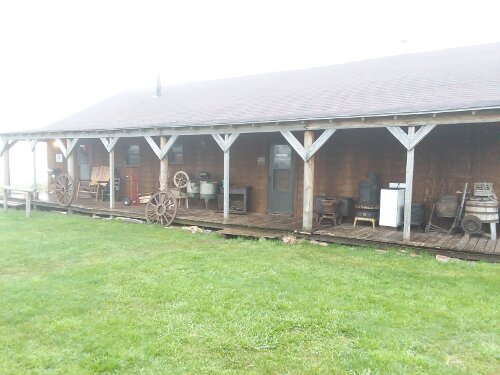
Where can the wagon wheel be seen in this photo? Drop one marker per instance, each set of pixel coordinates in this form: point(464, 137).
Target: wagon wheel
point(65, 190)
point(181, 179)
point(161, 209)
point(472, 224)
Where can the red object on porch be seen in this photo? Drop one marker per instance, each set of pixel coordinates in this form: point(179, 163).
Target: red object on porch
point(134, 188)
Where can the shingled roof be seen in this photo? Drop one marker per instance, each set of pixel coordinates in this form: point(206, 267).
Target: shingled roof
point(446, 80)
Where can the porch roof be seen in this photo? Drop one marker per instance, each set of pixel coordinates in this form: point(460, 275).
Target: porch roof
point(448, 80)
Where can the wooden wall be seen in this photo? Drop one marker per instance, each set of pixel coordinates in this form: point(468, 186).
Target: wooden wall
point(447, 158)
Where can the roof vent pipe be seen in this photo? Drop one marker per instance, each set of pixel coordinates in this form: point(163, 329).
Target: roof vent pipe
point(158, 86)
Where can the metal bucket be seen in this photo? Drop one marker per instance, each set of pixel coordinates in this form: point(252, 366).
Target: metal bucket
point(446, 206)
point(208, 190)
point(193, 189)
point(485, 210)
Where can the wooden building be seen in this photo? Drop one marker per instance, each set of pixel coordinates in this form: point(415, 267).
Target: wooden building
point(430, 120)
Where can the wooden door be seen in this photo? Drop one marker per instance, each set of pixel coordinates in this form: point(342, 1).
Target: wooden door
point(281, 179)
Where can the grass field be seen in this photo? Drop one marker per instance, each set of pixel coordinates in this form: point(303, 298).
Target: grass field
point(80, 295)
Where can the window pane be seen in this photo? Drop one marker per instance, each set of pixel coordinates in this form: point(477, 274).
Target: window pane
point(132, 155)
point(177, 153)
point(282, 156)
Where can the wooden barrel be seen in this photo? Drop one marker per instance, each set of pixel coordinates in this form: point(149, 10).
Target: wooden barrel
point(485, 210)
point(446, 206)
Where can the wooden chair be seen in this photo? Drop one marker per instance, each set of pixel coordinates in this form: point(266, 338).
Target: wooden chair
point(90, 187)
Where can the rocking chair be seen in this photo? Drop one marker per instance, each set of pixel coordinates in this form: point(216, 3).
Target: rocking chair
point(98, 180)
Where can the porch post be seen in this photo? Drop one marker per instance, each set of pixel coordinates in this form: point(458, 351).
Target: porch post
point(70, 160)
point(409, 141)
point(33, 150)
point(112, 178)
point(410, 157)
point(226, 181)
point(308, 196)
point(163, 165)
point(6, 171)
point(225, 144)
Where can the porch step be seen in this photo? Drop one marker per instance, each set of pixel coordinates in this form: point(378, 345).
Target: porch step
point(251, 232)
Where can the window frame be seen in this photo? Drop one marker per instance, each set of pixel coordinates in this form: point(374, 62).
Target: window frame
point(171, 154)
point(127, 155)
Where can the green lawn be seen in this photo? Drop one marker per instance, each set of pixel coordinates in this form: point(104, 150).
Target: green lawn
point(80, 295)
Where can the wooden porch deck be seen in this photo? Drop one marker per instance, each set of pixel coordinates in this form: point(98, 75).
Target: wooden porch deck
point(275, 226)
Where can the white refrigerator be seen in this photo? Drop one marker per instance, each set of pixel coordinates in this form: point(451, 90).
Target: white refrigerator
point(392, 204)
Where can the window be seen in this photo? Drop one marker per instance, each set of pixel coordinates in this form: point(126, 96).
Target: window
point(132, 155)
point(177, 153)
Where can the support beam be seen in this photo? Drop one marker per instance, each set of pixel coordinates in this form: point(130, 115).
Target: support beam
point(62, 147)
point(6, 145)
point(6, 174)
point(35, 187)
point(226, 183)
point(163, 166)
point(400, 135)
point(290, 138)
point(167, 146)
point(163, 150)
point(109, 143)
point(420, 135)
point(308, 198)
point(112, 191)
point(409, 141)
point(154, 146)
point(307, 152)
point(225, 145)
point(325, 136)
point(481, 116)
point(410, 155)
point(70, 160)
point(70, 145)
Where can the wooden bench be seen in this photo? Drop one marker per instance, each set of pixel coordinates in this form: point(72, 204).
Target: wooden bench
point(28, 193)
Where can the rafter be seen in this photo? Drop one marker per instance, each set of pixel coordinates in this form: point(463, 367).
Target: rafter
point(161, 152)
point(226, 142)
point(410, 141)
point(71, 146)
point(307, 153)
point(62, 147)
point(109, 143)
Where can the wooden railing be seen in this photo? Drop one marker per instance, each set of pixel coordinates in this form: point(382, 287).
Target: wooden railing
point(28, 193)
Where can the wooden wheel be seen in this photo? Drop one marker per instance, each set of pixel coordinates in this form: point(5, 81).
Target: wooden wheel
point(65, 190)
point(161, 209)
point(472, 224)
point(181, 179)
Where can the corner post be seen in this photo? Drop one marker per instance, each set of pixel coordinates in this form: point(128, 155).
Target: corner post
point(410, 158)
point(112, 191)
point(308, 196)
point(35, 187)
point(6, 174)
point(70, 160)
point(226, 181)
point(163, 166)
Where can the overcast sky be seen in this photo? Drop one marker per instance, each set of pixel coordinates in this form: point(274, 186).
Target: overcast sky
point(62, 56)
